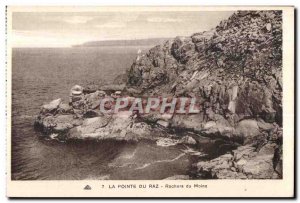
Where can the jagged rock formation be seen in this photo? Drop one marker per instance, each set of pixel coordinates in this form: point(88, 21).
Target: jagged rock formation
point(82, 119)
point(234, 71)
point(245, 162)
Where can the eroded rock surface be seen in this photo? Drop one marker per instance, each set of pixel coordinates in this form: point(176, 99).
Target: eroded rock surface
point(234, 71)
point(246, 162)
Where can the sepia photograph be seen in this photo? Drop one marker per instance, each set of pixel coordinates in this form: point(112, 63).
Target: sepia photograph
point(174, 95)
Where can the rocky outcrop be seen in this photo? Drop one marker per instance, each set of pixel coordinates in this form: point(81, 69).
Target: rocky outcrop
point(235, 69)
point(260, 159)
point(235, 73)
point(117, 127)
point(246, 162)
point(82, 119)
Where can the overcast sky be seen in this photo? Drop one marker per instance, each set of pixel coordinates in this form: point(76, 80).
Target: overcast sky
point(49, 29)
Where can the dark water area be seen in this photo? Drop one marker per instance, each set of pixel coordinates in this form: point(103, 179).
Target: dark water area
point(40, 75)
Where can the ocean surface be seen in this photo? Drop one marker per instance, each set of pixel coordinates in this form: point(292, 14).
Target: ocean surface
point(40, 75)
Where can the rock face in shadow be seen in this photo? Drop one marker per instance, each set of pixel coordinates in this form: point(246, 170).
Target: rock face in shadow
point(235, 73)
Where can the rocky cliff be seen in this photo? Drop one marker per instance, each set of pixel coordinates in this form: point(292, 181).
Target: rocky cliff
point(234, 71)
point(235, 68)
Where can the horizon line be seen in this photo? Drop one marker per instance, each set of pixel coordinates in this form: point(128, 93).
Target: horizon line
point(103, 40)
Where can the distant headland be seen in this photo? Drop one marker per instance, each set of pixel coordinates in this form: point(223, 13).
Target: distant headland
point(130, 42)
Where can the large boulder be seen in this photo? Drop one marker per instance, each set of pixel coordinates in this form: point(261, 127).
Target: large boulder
point(245, 163)
point(118, 127)
point(50, 107)
point(56, 124)
point(93, 99)
point(182, 49)
point(247, 129)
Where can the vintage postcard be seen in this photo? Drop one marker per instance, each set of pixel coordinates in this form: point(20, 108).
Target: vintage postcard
point(150, 102)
